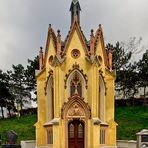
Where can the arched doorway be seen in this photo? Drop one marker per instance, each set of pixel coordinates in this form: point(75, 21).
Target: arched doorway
point(76, 134)
point(76, 114)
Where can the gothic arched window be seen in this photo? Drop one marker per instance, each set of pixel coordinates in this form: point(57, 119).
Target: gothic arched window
point(101, 99)
point(50, 135)
point(50, 98)
point(75, 86)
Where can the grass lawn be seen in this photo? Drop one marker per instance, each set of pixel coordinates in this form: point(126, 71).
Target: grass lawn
point(24, 127)
point(130, 121)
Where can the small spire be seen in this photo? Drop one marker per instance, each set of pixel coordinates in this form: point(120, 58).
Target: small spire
point(110, 56)
point(49, 27)
point(75, 10)
point(41, 58)
point(58, 42)
point(100, 27)
point(92, 42)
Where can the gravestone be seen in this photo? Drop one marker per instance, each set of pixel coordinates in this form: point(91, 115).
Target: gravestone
point(11, 137)
point(142, 139)
point(11, 140)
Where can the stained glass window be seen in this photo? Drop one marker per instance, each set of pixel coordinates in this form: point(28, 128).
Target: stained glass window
point(75, 86)
point(50, 135)
point(80, 131)
point(102, 135)
point(71, 130)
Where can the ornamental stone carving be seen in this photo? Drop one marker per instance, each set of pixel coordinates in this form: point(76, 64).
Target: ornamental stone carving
point(76, 111)
point(76, 108)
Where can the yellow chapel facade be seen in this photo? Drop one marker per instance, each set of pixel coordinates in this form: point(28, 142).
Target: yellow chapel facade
point(75, 90)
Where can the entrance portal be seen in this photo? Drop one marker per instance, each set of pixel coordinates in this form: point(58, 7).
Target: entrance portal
point(76, 134)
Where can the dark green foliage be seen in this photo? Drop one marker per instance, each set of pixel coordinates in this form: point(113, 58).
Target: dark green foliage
point(30, 74)
point(143, 71)
point(17, 85)
point(120, 57)
point(127, 80)
point(24, 127)
point(6, 98)
point(129, 76)
point(130, 121)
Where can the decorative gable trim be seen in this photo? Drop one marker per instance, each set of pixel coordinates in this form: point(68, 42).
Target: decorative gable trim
point(76, 26)
point(76, 67)
point(50, 73)
point(103, 78)
point(51, 36)
point(75, 108)
point(99, 38)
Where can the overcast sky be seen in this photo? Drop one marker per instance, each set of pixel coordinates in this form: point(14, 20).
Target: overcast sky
point(24, 24)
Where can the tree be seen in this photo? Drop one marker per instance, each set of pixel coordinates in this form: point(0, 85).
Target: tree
point(126, 71)
point(18, 87)
point(2, 90)
point(5, 97)
point(143, 72)
point(30, 74)
point(133, 45)
point(128, 81)
point(120, 57)
point(120, 61)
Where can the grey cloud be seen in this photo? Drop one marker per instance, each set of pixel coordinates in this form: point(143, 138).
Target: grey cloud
point(24, 24)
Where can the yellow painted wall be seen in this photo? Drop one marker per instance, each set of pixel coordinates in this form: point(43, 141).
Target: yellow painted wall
point(61, 95)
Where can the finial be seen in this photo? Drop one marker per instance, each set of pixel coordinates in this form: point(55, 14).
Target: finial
point(41, 58)
point(58, 42)
point(92, 32)
point(110, 55)
point(110, 50)
point(49, 25)
point(92, 41)
point(58, 31)
point(41, 49)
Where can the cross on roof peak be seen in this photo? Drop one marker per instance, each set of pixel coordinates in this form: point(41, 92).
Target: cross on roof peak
point(75, 1)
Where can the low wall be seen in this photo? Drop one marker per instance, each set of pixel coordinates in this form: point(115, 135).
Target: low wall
point(28, 144)
point(120, 144)
point(126, 144)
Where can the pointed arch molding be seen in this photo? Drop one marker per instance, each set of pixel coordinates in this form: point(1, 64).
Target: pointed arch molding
point(76, 67)
point(75, 108)
point(46, 83)
point(101, 75)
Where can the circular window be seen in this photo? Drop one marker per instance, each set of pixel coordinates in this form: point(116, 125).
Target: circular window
point(75, 53)
point(50, 60)
point(100, 60)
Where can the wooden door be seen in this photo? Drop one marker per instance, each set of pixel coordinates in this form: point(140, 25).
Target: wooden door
point(76, 134)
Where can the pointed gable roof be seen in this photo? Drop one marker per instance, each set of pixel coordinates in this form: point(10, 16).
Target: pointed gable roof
point(100, 39)
point(51, 36)
point(75, 26)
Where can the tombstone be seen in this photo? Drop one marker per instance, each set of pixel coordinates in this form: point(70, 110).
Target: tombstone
point(11, 140)
point(11, 137)
point(142, 139)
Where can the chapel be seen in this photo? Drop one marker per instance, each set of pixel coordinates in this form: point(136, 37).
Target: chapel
point(75, 89)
